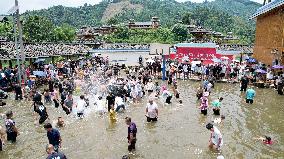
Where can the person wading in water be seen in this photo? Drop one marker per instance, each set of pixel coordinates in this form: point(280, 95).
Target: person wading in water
point(132, 130)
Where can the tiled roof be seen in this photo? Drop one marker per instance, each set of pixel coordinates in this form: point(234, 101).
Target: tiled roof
point(268, 7)
point(142, 23)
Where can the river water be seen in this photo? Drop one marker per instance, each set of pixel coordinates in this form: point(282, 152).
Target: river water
point(180, 132)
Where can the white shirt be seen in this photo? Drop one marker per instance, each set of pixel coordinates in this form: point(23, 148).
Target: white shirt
point(119, 101)
point(185, 67)
point(209, 86)
point(216, 135)
point(100, 105)
point(152, 113)
point(150, 86)
point(81, 105)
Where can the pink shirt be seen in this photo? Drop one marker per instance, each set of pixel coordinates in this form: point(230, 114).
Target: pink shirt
point(204, 103)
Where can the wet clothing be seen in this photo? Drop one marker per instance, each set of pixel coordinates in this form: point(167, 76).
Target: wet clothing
point(215, 136)
point(56, 155)
point(18, 93)
point(131, 146)
point(244, 83)
point(112, 115)
point(204, 105)
point(68, 103)
point(250, 94)
point(152, 111)
point(152, 119)
point(249, 101)
point(53, 137)
point(1, 145)
point(11, 134)
point(110, 101)
point(132, 129)
point(216, 107)
point(41, 110)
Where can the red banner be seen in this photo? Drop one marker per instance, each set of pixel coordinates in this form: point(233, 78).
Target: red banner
point(199, 53)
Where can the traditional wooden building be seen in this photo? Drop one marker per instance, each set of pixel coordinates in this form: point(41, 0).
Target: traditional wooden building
point(153, 24)
point(269, 39)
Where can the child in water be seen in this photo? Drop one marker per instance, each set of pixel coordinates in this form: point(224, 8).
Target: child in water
point(60, 122)
point(266, 140)
point(112, 114)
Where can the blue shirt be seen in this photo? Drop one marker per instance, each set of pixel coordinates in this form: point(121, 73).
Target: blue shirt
point(53, 137)
point(250, 94)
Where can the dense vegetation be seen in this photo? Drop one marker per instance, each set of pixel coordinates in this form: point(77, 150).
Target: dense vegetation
point(219, 15)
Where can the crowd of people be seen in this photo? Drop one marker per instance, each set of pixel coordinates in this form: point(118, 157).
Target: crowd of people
point(115, 90)
point(35, 50)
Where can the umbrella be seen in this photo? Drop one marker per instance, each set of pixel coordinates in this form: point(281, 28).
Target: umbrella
point(251, 60)
point(277, 66)
point(39, 60)
point(260, 71)
point(39, 73)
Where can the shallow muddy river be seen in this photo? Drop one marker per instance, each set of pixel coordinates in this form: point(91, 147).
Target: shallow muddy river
point(180, 132)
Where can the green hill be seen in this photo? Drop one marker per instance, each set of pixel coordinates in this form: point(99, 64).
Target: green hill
point(219, 15)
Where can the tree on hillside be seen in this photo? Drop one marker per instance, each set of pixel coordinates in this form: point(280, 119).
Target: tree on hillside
point(180, 32)
point(112, 21)
point(64, 33)
point(6, 30)
point(38, 29)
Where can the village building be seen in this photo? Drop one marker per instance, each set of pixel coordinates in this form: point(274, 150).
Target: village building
point(153, 24)
point(269, 38)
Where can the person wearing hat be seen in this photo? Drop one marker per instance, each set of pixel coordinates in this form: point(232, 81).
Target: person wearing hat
point(152, 111)
point(216, 139)
point(204, 103)
point(11, 129)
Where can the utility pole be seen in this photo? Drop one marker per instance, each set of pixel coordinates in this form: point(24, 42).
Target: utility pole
point(17, 50)
point(22, 66)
